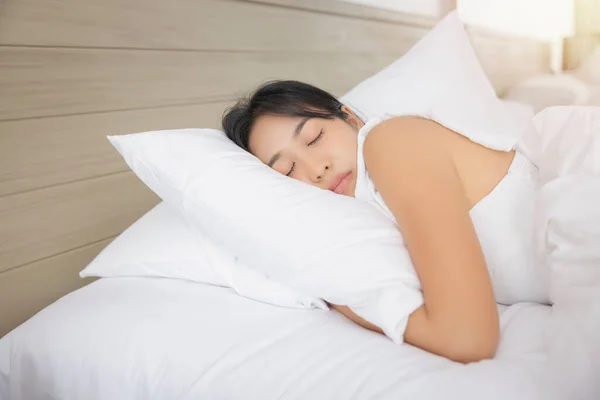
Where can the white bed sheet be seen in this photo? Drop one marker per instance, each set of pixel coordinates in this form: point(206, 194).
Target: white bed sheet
point(145, 338)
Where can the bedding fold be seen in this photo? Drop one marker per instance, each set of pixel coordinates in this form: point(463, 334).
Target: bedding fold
point(565, 145)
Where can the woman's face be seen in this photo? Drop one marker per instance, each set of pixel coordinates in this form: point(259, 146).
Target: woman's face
point(317, 151)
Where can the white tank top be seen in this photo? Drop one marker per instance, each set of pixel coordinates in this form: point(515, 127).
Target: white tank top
point(503, 221)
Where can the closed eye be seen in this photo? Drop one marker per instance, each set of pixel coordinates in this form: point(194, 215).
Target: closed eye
point(317, 138)
point(291, 169)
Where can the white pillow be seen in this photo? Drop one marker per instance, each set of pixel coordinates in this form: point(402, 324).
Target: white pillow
point(333, 247)
point(440, 78)
point(523, 113)
point(337, 248)
point(548, 90)
point(162, 244)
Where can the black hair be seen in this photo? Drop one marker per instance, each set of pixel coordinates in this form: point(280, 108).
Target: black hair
point(279, 97)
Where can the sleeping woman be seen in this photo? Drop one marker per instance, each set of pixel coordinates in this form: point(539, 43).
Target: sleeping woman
point(443, 190)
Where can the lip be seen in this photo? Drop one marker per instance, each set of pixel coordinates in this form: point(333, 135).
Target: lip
point(340, 183)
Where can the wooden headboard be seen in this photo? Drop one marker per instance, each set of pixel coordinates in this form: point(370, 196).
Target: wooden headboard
point(72, 72)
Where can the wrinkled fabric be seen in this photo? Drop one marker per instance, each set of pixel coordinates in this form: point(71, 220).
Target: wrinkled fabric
point(565, 145)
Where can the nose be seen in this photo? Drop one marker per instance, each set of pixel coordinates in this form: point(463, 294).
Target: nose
point(315, 169)
point(318, 174)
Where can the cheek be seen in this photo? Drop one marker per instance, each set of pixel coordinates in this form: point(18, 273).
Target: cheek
point(350, 152)
point(349, 145)
point(343, 150)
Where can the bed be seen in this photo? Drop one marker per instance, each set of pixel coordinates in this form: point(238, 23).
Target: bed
point(74, 72)
point(144, 338)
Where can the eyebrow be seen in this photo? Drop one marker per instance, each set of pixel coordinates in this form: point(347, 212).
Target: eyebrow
point(297, 130)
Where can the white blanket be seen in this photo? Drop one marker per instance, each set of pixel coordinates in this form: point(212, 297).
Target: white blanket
point(565, 145)
point(148, 338)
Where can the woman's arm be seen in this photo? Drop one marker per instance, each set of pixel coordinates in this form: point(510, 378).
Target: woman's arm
point(348, 313)
point(415, 174)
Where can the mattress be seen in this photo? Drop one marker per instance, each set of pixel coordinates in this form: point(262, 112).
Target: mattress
point(150, 338)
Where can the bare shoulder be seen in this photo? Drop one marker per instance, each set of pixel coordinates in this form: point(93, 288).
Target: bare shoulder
point(407, 142)
point(413, 142)
point(412, 166)
point(409, 130)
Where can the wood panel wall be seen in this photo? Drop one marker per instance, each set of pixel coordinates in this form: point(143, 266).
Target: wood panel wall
point(74, 71)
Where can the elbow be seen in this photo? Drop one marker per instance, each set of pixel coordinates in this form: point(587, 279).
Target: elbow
point(474, 347)
point(472, 354)
point(463, 340)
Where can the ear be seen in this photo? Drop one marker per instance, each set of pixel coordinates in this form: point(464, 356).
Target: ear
point(353, 120)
